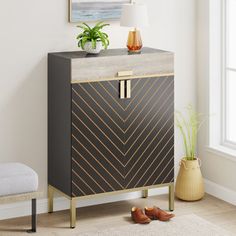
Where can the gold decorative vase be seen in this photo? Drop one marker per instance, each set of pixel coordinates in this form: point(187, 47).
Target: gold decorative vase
point(189, 183)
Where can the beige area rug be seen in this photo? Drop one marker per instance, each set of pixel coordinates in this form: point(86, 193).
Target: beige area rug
point(188, 225)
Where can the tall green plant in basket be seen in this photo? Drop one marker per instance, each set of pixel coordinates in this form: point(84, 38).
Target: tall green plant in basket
point(189, 128)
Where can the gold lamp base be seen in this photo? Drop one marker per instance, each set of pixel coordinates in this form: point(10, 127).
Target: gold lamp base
point(134, 43)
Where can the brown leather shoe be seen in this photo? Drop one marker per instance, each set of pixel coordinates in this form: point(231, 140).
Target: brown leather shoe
point(155, 213)
point(139, 217)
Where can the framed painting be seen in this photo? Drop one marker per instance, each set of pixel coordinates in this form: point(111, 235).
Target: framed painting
point(95, 10)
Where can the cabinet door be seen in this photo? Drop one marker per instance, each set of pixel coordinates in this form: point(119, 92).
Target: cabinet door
point(149, 133)
point(98, 138)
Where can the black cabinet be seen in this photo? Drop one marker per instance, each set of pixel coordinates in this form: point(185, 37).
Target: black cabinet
point(110, 130)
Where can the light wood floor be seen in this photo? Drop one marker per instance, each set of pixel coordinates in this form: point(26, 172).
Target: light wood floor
point(117, 214)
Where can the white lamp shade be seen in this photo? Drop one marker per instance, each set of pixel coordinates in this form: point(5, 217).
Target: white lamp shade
point(134, 15)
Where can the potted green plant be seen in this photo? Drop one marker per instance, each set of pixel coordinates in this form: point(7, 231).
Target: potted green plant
point(189, 183)
point(92, 39)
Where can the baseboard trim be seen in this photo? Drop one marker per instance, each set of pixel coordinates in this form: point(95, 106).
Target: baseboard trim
point(19, 209)
point(220, 192)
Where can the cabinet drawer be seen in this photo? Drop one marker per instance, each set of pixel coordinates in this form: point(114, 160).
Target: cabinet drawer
point(102, 68)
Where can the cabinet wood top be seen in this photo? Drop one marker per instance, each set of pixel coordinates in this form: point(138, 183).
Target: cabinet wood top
point(108, 53)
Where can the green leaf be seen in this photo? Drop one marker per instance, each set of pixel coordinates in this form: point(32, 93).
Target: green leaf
point(99, 23)
point(94, 43)
point(189, 128)
point(84, 41)
point(105, 35)
point(82, 27)
point(81, 35)
point(105, 41)
point(87, 25)
point(79, 43)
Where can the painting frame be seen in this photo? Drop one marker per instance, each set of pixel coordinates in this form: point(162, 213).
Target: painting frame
point(71, 20)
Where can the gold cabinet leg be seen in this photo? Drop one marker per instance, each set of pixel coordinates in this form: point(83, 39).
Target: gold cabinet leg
point(73, 213)
point(171, 197)
point(50, 199)
point(145, 193)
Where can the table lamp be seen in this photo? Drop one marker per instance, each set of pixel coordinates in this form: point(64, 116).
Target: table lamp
point(134, 15)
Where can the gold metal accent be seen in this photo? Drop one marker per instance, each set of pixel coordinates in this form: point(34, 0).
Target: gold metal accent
point(73, 212)
point(97, 150)
point(115, 192)
point(128, 89)
point(99, 140)
point(122, 89)
point(146, 149)
point(137, 94)
point(50, 199)
point(98, 117)
point(59, 191)
point(125, 73)
point(124, 191)
point(98, 103)
point(73, 183)
point(82, 180)
point(163, 158)
point(143, 96)
point(76, 162)
point(154, 76)
point(97, 137)
point(145, 193)
point(171, 159)
point(149, 110)
point(171, 197)
point(153, 105)
point(51, 190)
point(99, 161)
point(110, 95)
point(105, 100)
point(92, 168)
point(144, 189)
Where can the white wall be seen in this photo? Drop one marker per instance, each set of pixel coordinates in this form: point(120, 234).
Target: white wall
point(217, 167)
point(30, 29)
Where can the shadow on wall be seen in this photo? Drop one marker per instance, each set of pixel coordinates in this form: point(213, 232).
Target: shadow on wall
point(24, 122)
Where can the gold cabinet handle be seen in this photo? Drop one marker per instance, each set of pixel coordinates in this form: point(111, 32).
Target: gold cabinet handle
point(125, 89)
point(125, 73)
point(128, 88)
point(122, 89)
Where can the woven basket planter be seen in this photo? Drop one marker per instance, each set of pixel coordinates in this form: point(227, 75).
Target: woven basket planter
point(189, 183)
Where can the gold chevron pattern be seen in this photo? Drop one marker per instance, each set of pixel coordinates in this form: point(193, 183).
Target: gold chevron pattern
point(118, 143)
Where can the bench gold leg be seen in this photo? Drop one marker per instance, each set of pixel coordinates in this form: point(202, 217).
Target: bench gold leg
point(50, 199)
point(145, 193)
point(73, 213)
point(171, 197)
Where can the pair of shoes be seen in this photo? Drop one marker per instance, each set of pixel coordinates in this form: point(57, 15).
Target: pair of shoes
point(151, 213)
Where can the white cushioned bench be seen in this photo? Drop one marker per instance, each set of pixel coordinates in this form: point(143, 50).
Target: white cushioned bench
point(19, 182)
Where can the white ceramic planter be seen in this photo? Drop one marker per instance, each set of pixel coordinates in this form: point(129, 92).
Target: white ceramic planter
point(89, 49)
